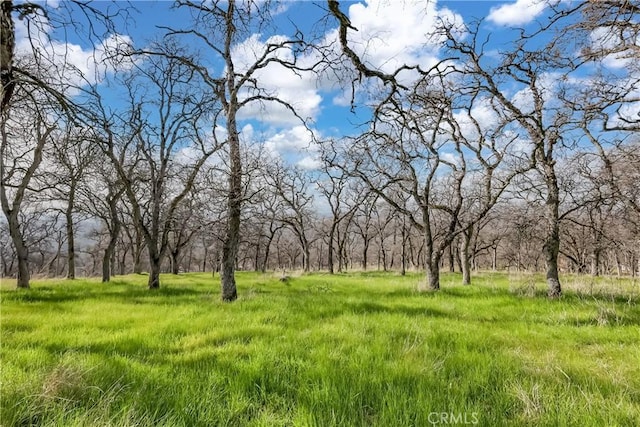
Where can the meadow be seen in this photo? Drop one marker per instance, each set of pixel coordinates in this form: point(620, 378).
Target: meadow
point(361, 349)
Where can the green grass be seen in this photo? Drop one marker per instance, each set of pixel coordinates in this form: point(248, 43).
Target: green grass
point(351, 349)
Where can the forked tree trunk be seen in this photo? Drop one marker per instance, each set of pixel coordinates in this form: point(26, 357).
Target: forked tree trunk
point(267, 252)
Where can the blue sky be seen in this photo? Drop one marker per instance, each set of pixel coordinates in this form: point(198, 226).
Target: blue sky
point(390, 33)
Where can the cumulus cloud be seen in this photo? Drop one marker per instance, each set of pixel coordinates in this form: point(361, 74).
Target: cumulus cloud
point(69, 65)
point(391, 33)
point(309, 163)
point(547, 85)
point(621, 46)
point(483, 113)
point(297, 89)
point(295, 145)
point(295, 140)
point(519, 13)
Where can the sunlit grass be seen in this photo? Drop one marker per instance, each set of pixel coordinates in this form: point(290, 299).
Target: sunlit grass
point(351, 349)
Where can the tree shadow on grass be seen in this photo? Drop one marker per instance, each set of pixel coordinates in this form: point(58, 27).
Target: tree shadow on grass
point(366, 307)
point(124, 293)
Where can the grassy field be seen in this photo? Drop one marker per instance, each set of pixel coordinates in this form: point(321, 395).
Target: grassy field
point(320, 350)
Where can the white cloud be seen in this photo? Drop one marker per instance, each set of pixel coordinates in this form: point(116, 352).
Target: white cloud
point(391, 34)
point(547, 85)
point(295, 140)
point(53, 4)
point(483, 113)
point(519, 13)
point(294, 145)
point(309, 163)
point(628, 115)
point(606, 39)
point(298, 90)
point(69, 65)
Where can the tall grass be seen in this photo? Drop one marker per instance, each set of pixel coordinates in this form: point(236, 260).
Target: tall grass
point(350, 349)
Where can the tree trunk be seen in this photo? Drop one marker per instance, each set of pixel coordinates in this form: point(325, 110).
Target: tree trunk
point(596, 262)
point(106, 266)
point(232, 238)
point(465, 256)
point(123, 263)
point(494, 259)
point(22, 254)
point(154, 272)
point(365, 251)
point(452, 262)
point(137, 243)
point(618, 263)
point(108, 261)
point(71, 246)
point(22, 251)
point(433, 274)
point(551, 247)
point(403, 253)
point(175, 266)
point(204, 255)
point(7, 48)
point(12, 210)
point(307, 258)
point(306, 251)
point(109, 253)
point(330, 247)
point(137, 258)
point(383, 252)
point(256, 257)
point(267, 252)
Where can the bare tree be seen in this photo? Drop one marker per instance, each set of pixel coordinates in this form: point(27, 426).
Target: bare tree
point(71, 156)
point(427, 146)
point(363, 222)
point(100, 196)
point(150, 151)
point(333, 183)
point(220, 25)
point(267, 209)
point(25, 129)
point(291, 185)
point(35, 85)
point(188, 221)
